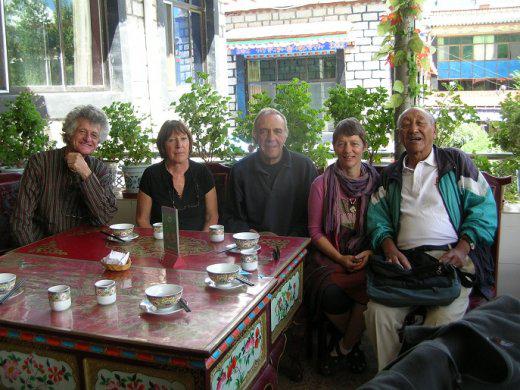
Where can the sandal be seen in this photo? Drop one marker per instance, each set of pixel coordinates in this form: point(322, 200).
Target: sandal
point(331, 364)
point(356, 361)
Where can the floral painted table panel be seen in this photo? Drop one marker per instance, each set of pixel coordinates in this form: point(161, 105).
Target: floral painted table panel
point(214, 312)
point(197, 251)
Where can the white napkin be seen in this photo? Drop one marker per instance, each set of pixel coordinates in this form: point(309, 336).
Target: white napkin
point(116, 258)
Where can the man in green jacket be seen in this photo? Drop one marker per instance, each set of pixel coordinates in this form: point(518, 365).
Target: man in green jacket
point(434, 200)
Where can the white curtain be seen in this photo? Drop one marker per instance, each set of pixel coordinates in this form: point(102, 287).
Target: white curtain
point(82, 42)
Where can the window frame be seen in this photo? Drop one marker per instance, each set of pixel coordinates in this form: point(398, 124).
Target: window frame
point(101, 34)
point(273, 84)
point(170, 40)
point(4, 84)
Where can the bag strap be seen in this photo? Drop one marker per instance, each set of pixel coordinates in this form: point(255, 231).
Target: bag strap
point(466, 279)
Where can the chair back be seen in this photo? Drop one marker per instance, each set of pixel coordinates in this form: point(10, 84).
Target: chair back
point(9, 186)
point(497, 188)
point(220, 174)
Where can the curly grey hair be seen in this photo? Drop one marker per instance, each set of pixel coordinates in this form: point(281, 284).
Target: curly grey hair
point(93, 114)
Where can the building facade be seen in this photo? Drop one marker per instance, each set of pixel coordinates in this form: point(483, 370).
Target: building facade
point(478, 46)
point(72, 52)
point(322, 42)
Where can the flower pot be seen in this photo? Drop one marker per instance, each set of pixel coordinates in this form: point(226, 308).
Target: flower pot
point(132, 174)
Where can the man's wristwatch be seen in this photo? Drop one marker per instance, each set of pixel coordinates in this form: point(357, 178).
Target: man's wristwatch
point(468, 240)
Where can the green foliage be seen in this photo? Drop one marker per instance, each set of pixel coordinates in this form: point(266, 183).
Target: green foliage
point(506, 134)
point(128, 141)
point(507, 131)
point(452, 112)
point(22, 131)
point(304, 122)
point(367, 107)
point(508, 167)
point(472, 138)
point(403, 46)
point(206, 113)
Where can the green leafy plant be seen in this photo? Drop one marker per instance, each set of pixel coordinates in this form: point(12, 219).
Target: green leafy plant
point(369, 108)
point(402, 45)
point(128, 140)
point(305, 123)
point(451, 113)
point(207, 115)
point(22, 131)
point(506, 135)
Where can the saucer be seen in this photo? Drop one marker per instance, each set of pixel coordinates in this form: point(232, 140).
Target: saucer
point(228, 286)
point(129, 238)
point(234, 249)
point(147, 307)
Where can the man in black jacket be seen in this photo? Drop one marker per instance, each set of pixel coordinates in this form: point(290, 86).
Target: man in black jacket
point(269, 188)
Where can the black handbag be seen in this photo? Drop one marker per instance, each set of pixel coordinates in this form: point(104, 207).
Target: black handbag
point(428, 283)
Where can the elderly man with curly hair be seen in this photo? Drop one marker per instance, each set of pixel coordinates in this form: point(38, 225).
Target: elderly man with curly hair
point(66, 187)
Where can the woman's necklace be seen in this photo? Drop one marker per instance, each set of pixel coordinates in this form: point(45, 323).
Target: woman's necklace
point(351, 208)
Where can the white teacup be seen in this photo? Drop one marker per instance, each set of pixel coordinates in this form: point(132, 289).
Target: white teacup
point(122, 230)
point(7, 282)
point(249, 259)
point(105, 291)
point(59, 297)
point(158, 230)
point(216, 233)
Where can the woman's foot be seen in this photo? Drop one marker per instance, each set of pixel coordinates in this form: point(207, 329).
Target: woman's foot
point(335, 359)
point(355, 360)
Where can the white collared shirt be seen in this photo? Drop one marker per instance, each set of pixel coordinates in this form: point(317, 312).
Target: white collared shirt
point(424, 219)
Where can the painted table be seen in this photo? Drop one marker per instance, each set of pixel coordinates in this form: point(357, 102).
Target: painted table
point(231, 339)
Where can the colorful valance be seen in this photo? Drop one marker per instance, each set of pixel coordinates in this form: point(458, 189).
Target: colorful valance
point(289, 47)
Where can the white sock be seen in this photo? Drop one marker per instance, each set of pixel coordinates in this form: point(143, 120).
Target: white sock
point(341, 348)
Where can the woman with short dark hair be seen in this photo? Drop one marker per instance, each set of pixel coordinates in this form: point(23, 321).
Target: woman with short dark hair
point(177, 182)
point(335, 285)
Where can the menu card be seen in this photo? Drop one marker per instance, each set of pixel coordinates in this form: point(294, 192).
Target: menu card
point(170, 219)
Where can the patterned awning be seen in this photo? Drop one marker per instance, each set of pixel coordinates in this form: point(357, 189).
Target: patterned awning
point(290, 47)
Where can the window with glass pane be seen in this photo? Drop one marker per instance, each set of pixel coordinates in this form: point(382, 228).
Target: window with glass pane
point(454, 53)
point(53, 42)
point(318, 71)
point(467, 52)
point(185, 38)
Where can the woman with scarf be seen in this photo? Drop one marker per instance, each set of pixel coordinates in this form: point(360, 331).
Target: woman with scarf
point(335, 284)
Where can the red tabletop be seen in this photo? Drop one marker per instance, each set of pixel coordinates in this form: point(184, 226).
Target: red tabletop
point(214, 312)
point(197, 252)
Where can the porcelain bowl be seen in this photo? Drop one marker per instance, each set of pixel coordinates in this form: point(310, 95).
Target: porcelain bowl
point(163, 296)
point(246, 240)
point(122, 229)
point(223, 273)
point(7, 282)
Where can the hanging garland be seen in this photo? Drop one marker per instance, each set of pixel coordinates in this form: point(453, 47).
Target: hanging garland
point(415, 54)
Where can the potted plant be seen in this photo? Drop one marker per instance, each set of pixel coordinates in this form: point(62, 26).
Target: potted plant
point(22, 132)
point(128, 142)
point(206, 113)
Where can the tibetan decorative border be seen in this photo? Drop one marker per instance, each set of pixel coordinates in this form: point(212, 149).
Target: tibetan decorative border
point(39, 367)
point(113, 375)
point(298, 259)
point(236, 332)
point(287, 297)
point(81, 346)
point(244, 361)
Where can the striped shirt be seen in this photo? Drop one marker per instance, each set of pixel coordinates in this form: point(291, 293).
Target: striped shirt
point(52, 198)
